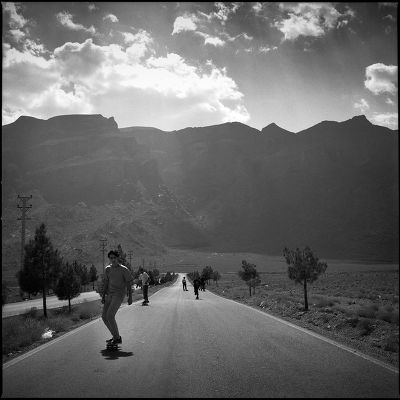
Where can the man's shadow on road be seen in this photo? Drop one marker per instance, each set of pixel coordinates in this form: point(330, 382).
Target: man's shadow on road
point(115, 354)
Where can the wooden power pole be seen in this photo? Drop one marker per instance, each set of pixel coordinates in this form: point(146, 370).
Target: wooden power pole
point(130, 254)
point(103, 245)
point(24, 208)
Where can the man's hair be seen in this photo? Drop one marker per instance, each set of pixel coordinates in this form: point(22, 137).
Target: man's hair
point(111, 252)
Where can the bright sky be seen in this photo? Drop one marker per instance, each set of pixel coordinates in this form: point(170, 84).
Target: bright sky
point(171, 65)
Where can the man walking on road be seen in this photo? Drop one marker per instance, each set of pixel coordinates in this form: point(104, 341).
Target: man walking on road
point(196, 285)
point(117, 280)
point(184, 284)
point(144, 277)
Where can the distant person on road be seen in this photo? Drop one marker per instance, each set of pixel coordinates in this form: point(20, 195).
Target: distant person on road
point(196, 285)
point(203, 284)
point(144, 278)
point(117, 281)
point(184, 284)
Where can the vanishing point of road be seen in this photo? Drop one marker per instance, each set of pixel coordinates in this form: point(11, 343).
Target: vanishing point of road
point(182, 347)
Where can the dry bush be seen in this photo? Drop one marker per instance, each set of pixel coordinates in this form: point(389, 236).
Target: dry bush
point(342, 309)
point(368, 311)
point(365, 325)
point(391, 344)
point(389, 314)
point(322, 301)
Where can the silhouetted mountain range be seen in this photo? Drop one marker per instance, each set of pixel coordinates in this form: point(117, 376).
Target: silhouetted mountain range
point(229, 187)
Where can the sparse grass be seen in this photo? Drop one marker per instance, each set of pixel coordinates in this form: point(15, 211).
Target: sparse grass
point(322, 301)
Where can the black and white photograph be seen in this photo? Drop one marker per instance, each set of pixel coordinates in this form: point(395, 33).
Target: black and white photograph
point(200, 200)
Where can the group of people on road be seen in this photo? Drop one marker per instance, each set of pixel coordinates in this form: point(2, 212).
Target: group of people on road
point(118, 281)
point(197, 284)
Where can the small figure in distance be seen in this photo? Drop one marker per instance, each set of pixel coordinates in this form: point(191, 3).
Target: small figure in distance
point(184, 284)
point(196, 285)
point(144, 278)
point(203, 284)
point(117, 280)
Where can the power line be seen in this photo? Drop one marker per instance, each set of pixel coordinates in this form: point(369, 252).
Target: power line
point(24, 208)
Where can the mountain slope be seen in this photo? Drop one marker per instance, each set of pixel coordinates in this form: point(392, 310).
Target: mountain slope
point(229, 187)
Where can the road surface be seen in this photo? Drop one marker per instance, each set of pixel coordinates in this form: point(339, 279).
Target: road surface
point(182, 347)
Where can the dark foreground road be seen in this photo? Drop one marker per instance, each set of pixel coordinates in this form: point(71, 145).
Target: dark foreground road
point(182, 347)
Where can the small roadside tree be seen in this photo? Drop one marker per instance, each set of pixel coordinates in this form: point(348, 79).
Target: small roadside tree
point(303, 267)
point(207, 273)
point(249, 274)
point(93, 275)
point(216, 276)
point(42, 265)
point(69, 284)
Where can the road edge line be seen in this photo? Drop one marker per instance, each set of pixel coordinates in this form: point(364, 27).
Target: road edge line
point(319, 336)
point(43, 346)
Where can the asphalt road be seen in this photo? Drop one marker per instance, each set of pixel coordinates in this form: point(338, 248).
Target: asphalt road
point(182, 347)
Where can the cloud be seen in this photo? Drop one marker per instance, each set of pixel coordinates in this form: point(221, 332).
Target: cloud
point(86, 78)
point(381, 78)
point(224, 10)
point(266, 49)
point(223, 13)
point(212, 40)
point(16, 20)
point(65, 18)
point(92, 7)
point(389, 101)
point(185, 23)
point(362, 106)
point(389, 17)
point(111, 17)
point(17, 34)
point(310, 19)
point(390, 120)
point(257, 8)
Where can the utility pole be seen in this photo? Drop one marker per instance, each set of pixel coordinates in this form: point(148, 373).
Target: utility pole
point(103, 245)
point(24, 208)
point(130, 254)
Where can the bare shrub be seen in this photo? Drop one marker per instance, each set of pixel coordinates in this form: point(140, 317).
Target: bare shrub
point(365, 326)
point(353, 321)
point(391, 344)
point(325, 302)
point(32, 313)
point(342, 309)
point(389, 314)
point(368, 311)
point(326, 317)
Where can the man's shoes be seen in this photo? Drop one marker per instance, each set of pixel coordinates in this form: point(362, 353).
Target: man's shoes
point(112, 340)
